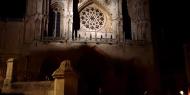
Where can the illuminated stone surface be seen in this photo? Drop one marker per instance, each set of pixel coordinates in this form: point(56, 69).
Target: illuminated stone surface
point(38, 54)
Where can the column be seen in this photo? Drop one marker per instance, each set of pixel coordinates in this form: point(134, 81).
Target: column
point(115, 19)
point(55, 24)
point(9, 74)
point(46, 17)
point(120, 22)
point(39, 27)
point(62, 34)
point(58, 33)
point(43, 20)
point(59, 81)
point(65, 20)
point(65, 82)
point(70, 11)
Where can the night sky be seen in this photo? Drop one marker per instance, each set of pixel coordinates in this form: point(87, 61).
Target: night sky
point(12, 8)
point(169, 33)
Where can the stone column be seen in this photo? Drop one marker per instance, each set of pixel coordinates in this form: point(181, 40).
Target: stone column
point(62, 34)
point(59, 81)
point(55, 26)
point(38, 28)
point(65, 20)
point(9, 74)
point(65, 82)
point(120, 22)
point(44, 19)
point(70, 11)
point(115, 19)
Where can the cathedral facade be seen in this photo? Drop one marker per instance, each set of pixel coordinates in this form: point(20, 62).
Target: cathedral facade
point(110, 52)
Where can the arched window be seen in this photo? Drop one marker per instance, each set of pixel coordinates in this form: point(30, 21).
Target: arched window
point(58, 24)
point(51, 24)
point(54, 21)
point(54, 24)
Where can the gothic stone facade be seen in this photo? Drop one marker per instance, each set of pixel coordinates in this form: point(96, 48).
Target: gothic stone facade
point(40, 41)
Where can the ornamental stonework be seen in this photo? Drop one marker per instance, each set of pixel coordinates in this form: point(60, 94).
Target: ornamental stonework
point(92, 19)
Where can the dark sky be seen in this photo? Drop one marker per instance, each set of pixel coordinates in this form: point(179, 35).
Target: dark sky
point(12, 8)
point(170, 31)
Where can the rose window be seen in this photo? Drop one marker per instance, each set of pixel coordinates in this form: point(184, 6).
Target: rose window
point(92, 18)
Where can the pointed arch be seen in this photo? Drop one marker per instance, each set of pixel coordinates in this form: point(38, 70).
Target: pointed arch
point(89, 2)
point(108, 17)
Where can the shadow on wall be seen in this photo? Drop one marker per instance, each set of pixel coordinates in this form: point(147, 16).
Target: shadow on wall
point(97, 71)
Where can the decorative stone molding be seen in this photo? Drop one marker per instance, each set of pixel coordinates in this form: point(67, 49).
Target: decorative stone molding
point(107, 1)
point(92, 19)
point(57, 5)
point(65, 82)
point(140, 19)
point(9, 74)
point(96, 20)
point(63, 68)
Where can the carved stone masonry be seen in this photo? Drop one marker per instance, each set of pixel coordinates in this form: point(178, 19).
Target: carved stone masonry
point(65, 80)
point(65, 67)
point(140, 19)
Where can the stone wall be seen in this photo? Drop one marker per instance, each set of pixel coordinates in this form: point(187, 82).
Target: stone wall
point(11, 39)
point(21, 40)
point(27, 67)
point(140, 19)
point(56, 52)
point(22, 34)
point(31, 88)
point(2, 73)
point(112, 17)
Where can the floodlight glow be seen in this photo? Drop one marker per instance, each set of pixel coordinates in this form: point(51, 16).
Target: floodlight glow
point(181, 92)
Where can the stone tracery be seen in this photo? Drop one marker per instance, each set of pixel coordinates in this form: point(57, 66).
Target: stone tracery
point(92, 19)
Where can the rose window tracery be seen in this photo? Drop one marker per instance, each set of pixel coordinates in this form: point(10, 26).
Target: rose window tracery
point(92, 19)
